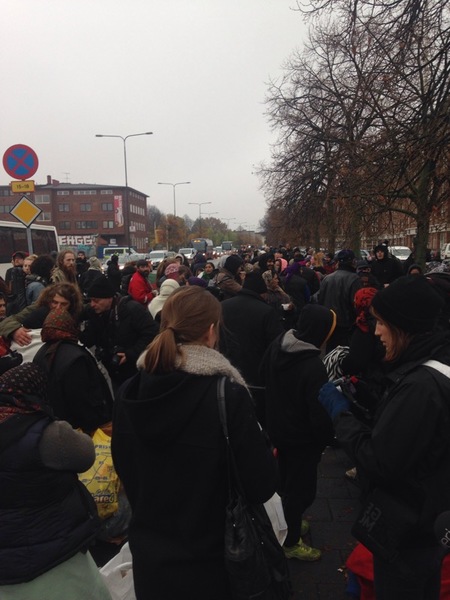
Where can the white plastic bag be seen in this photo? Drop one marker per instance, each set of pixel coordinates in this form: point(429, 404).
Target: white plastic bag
point(275, 512)
point(118, 575)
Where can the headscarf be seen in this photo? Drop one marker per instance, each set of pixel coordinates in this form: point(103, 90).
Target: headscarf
point(59, 325)
point(363, 300)
point(267, 276)
point(293, 269)
point(22, 392)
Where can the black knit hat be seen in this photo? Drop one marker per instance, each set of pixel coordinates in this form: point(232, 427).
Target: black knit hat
point(254, 281)
point(409, 303)
point(101, 288)
point(233, 263)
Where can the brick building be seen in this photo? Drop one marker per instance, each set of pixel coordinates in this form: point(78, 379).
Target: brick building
point(87, 216)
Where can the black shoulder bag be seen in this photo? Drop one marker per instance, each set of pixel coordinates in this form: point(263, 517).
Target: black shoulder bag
point(255, 561)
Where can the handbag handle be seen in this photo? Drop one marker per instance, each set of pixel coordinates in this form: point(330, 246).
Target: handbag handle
point(234, 482)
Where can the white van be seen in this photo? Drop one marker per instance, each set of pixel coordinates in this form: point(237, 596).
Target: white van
point(445, 251)
point(119, 250)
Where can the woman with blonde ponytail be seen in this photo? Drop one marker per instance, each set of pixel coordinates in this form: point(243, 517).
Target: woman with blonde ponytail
point(169, 451)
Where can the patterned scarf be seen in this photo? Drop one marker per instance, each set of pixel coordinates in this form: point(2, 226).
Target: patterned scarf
point(22, 391)
point(59, 325)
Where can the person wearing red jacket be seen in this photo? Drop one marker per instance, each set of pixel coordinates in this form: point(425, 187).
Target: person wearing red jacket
point(140, 288)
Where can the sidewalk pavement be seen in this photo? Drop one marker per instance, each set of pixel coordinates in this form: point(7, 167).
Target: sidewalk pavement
point(331, 518)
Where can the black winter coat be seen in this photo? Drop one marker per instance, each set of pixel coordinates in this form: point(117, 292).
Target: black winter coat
point(250, 325)
point(169, 451)
point(293, 374)
point(77, 390)
point(127, 327)
point(407, 451)
point(46, 516)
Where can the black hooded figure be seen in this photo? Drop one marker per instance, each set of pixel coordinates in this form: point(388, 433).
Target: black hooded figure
point(293, 374)
point(385, 268)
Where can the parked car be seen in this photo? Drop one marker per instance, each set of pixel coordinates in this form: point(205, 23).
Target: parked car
point(157, 256)
point(189, 253)
point(400, 252)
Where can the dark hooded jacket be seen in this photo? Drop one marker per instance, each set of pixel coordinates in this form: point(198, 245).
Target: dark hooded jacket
point(169, 451)
point(407, 451)
point(388, 269)
point(293, 373)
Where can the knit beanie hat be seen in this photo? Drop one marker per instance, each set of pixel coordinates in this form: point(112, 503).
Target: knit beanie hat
point(345, 256)
point(59, 325)
point(233, 263)
point(172, 270)
point(198, 281)
point(167, 287)
point(254, 281)
point(315, 324)
point(410, 303)
point(101, 288)
point(94, 263)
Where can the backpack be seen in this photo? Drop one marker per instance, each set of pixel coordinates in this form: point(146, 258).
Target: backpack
point(125, 283)
point(16, 300)
point(56, 359)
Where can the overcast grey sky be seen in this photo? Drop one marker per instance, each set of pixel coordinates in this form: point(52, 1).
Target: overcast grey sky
point(194, 72)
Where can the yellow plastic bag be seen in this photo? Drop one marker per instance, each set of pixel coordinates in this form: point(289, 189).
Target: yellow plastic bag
point(101, 479)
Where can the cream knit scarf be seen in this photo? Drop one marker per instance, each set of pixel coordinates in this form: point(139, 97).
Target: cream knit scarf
point(201, 360)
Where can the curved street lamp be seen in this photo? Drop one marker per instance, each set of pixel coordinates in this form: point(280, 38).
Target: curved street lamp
point(174, 186)
point(200, 204)
point(126, 207)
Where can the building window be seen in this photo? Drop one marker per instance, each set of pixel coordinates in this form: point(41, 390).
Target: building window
point(44, 216)
point(108, 224)
point(84, 192)
point(106, 192)
point(107, 206)
point(5, 209)
point(63, 207)
point(64, 225)
point(62, 193)
point(85, 207)
point(85, 224)
point(42, 199)
point(6, 193)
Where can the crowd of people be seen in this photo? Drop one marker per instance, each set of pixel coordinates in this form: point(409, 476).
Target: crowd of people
point(138, 352)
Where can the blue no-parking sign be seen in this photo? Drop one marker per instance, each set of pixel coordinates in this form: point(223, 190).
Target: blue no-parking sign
point(20, 161)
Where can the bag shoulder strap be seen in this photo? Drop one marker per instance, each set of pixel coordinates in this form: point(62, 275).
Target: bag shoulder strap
point(222, 407)
point(438, 366)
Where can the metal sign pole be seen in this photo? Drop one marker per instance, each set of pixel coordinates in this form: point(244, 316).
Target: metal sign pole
point(29, 241)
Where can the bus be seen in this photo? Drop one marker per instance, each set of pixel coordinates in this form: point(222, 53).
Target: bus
point(202, 244)
point(227, 246)
point(13, 237)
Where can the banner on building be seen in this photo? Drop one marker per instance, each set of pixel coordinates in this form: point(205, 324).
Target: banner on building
point(118, 211)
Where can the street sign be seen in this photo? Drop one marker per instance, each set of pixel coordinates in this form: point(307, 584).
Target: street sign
point(20, 161)
point(23, 187)
point(25, 211)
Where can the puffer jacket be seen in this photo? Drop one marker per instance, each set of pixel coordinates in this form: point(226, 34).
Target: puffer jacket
point(46, 516)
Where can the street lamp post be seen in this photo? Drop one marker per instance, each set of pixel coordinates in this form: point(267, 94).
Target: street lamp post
point(199, 204)
point(126, 221)
point(174, 185)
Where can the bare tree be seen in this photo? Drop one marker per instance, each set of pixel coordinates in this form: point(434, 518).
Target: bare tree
point(363, 117)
